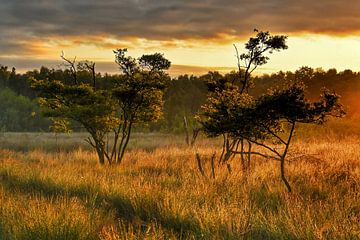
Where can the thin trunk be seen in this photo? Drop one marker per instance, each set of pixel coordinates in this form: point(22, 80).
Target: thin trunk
point(213, 166)
point(249, 156)
point(123, 136)
point(195, 135)
point(187, 139)
point(94, 76)
point(103, 150)
point(120, 147)
point(282, 169)
point(113, 151)
point(100, 154)
point(107, 144)
point(223, 150)
point(116, 139)
point(244, 83)
point(125, 143)
point(243, 164)
point(282, 159)
point(228, 168)
point(198, 160)
point(236, 146)
point(246, 75)
point(229, 150)
point(96, 143)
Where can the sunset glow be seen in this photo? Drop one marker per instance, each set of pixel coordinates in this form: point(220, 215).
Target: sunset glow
point(180, 119)
point(179, 30)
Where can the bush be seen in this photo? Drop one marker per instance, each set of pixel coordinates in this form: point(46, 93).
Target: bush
point(19, 113)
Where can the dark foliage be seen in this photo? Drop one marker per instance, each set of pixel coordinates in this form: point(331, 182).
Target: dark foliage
point(266, 120)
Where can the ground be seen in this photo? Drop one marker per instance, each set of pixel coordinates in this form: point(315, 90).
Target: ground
point(51, 187)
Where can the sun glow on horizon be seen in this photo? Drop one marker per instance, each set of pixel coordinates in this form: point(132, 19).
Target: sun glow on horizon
point(317, 51)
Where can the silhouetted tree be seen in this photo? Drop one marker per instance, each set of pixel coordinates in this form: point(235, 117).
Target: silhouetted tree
point(236, 115)
point(255, 56)
point(230, 91)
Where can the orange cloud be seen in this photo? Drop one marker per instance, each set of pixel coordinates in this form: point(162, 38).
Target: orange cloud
point(41, 29)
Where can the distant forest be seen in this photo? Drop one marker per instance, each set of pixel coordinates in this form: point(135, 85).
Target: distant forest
point(20, 110)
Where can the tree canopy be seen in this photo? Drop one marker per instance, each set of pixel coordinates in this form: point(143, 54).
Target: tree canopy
point(242, 118)
point(135, 96)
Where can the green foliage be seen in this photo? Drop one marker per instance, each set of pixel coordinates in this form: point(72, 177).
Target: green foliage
point(138, 94)
point(183, 98)
point(134, 97)
point(80, 103)
point(185, 94)
point(60, 126)
point(140, 97)
point(226, 108)
point(19, 113)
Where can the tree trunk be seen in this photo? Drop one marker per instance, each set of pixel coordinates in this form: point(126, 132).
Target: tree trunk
point(249, 157)
point(124, 144)
point(101, 155)
point(282, 171)
point(243, 164)
point(187, 139)
point(282, 159)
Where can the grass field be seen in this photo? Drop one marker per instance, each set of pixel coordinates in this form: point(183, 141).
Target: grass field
point(53, 188)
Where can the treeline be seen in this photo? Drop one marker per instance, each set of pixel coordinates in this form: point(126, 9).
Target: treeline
point(346, 83)
point(20, 111)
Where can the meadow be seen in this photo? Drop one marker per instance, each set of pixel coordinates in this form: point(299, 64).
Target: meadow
point(52, 187)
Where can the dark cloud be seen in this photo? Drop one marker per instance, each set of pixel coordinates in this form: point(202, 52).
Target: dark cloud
point(179, 19)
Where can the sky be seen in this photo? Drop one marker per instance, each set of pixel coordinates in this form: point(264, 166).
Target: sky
point(196, 36)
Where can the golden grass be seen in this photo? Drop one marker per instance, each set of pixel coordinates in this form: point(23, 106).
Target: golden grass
point(158, 193)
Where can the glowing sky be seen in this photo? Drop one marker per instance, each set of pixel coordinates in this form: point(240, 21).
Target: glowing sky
point(196, 36)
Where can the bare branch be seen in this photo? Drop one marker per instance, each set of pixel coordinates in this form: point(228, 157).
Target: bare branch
point(265, 146)
point(259, 154)
point(71, 65)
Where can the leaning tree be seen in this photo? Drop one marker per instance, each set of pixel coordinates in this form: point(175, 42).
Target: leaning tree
point(228, 92)
point(268, 121)
point(134, 97)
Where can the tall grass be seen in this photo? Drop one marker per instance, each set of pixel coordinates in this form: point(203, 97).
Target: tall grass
point(158, 193)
